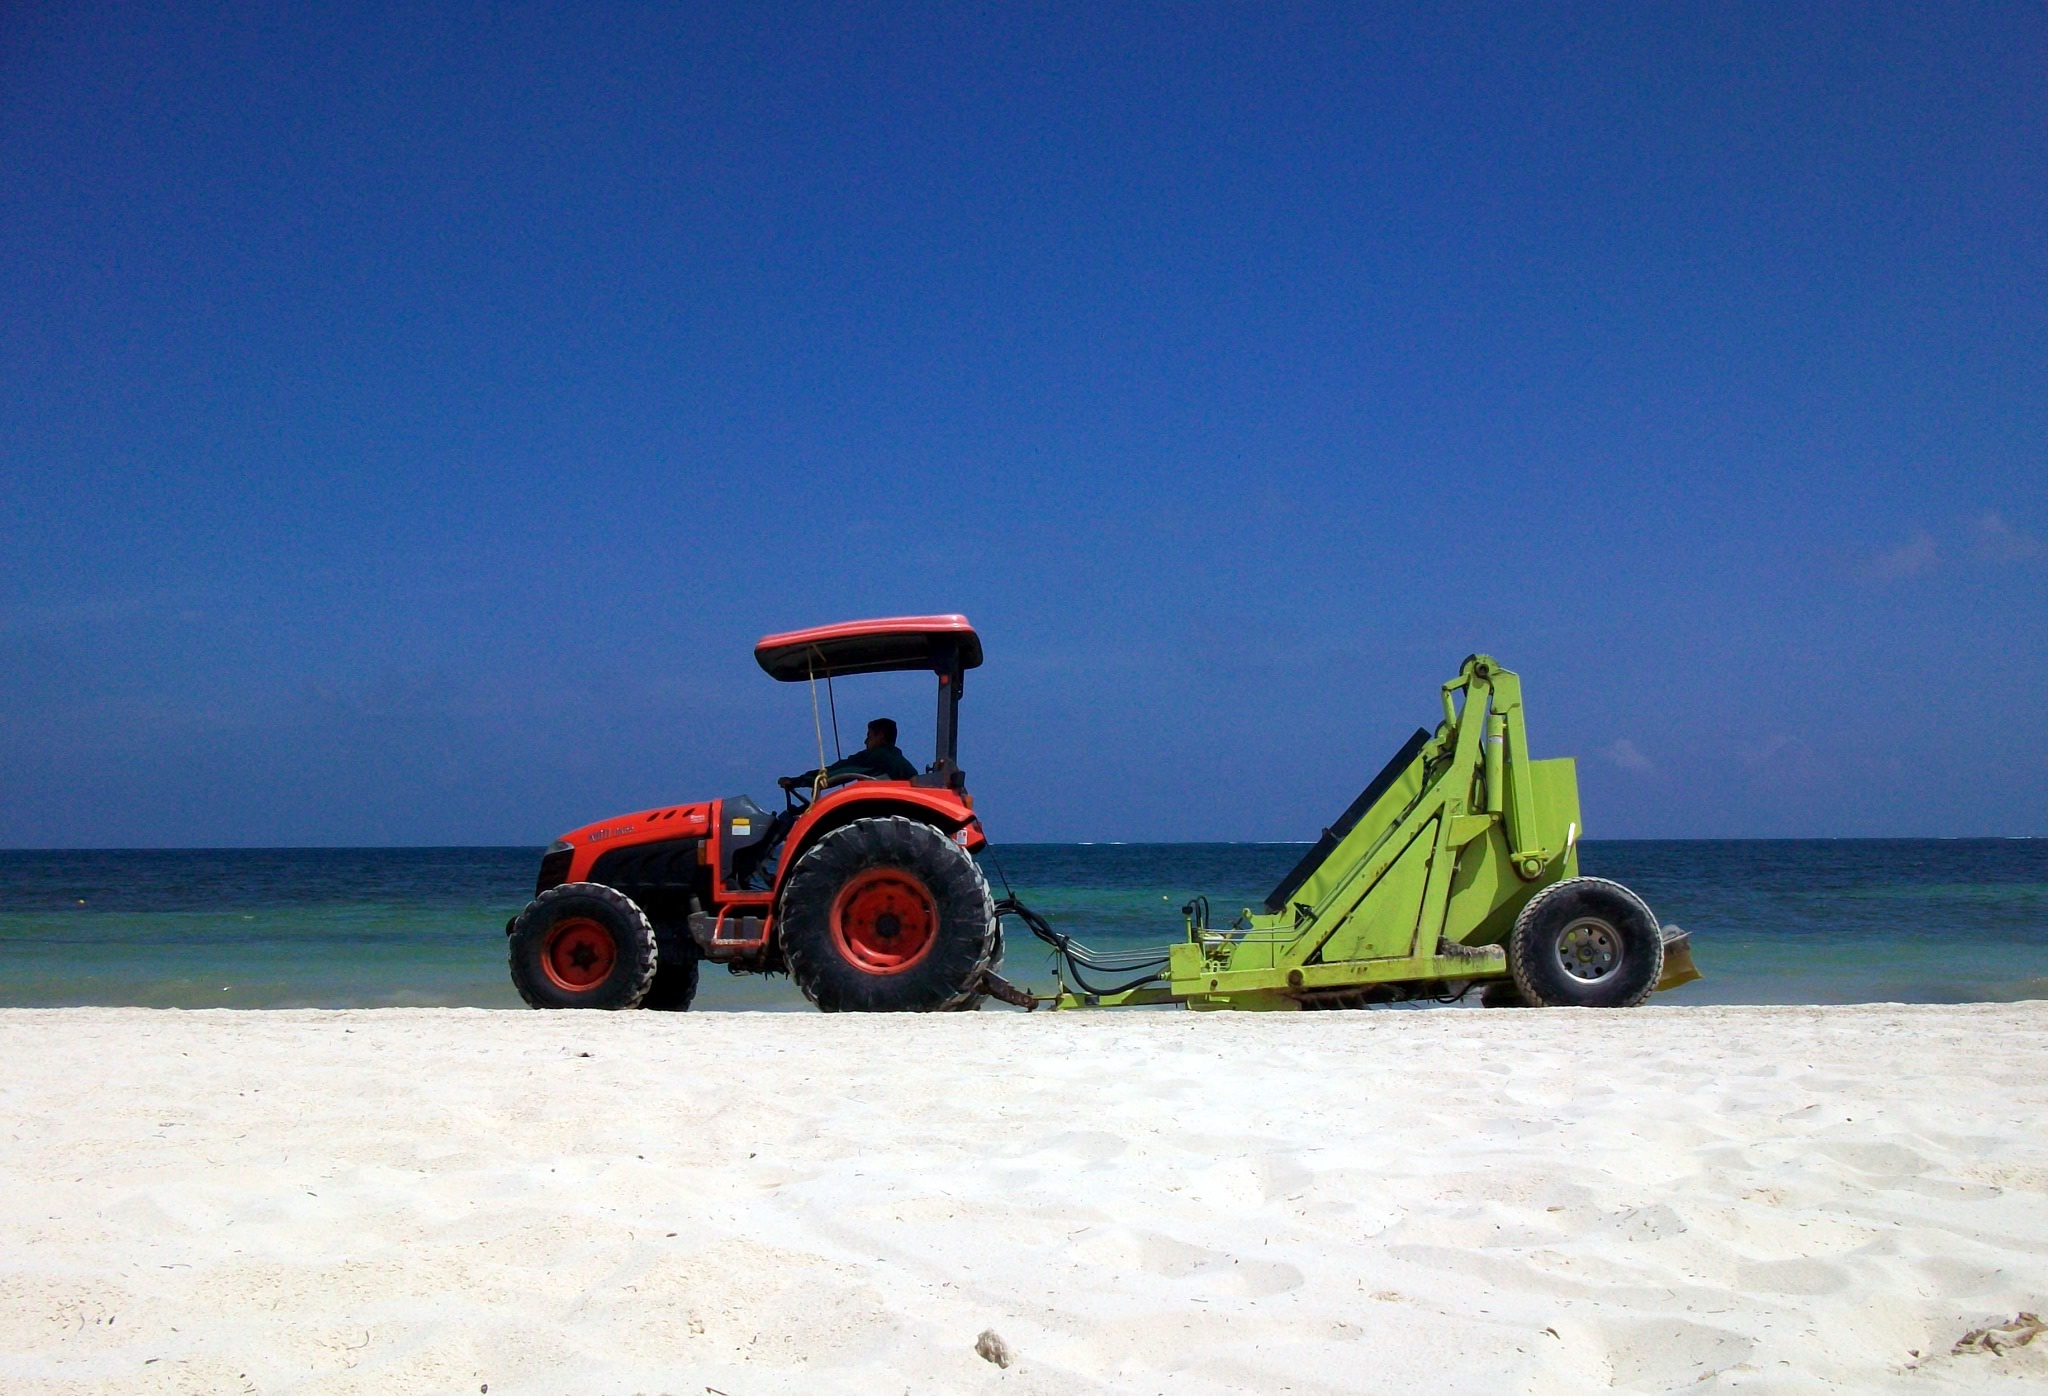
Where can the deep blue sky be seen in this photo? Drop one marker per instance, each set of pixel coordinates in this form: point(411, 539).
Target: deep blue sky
point(407, 425)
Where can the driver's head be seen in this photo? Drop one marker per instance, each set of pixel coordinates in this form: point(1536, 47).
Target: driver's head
point(881, 732)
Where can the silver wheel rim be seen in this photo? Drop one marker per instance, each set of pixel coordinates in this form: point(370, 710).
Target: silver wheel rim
point(1589, 950)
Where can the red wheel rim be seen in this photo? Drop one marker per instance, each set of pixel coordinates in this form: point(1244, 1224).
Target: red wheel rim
point(579, 954)
point(884, 921)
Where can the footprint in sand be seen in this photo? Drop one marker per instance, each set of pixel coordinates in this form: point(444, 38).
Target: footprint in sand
point(1164, 1256)
point(1879, 1161)
point(1079, 1146)
point(1668, 1353)
point(1800, 1276)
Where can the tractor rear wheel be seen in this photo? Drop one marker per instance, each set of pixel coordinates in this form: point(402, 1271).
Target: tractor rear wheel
point(888, 915)
point(1586, 943)
point(582, 945)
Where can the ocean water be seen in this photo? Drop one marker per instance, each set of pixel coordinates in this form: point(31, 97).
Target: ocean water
point(1794, 921)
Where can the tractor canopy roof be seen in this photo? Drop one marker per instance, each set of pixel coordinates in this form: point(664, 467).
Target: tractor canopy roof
point(869, 647)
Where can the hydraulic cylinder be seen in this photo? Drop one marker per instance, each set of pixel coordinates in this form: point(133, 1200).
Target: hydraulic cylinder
point(1496, 763)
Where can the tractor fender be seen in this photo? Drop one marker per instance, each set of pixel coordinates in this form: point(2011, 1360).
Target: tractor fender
point(942, 809)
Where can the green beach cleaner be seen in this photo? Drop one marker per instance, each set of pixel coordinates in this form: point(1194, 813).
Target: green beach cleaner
point(1455, 869)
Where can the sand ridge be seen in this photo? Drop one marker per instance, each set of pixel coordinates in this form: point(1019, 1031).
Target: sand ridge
point(1730, 1199)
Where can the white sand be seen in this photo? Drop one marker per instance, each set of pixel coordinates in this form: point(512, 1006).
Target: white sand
point(413, 1201)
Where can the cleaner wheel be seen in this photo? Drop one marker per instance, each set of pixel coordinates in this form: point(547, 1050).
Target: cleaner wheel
point(1586, 943)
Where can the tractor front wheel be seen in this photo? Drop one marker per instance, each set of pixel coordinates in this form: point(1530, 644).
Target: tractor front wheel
point(1586, 943)
point(582, 945)
point(888, 915)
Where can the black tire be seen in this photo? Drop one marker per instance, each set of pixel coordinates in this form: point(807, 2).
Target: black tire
point(675, 971)
point(1586, 943)
point(1502, 993)
point(884, 887)
point(583, 945)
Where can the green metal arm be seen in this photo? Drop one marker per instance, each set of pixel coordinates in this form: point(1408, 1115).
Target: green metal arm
point(1492, 715)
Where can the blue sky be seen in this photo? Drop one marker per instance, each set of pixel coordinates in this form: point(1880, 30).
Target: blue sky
point(407, 424)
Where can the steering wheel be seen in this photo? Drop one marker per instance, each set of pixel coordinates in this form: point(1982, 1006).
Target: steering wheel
point(798, 796)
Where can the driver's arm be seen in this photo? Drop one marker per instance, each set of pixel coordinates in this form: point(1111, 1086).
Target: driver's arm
point(861, 763)
point(837, 771)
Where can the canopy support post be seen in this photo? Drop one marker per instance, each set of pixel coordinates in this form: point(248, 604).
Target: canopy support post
point(952, 678)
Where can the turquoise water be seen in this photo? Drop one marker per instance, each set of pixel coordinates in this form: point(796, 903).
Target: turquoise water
point(1822, 921)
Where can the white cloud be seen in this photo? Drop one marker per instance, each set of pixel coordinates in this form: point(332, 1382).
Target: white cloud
point(1782, 761)
point(1627, 755)
point(1911, 558)
point(1995, 540)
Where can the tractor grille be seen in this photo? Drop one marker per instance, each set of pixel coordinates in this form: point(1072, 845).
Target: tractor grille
point(668, 866)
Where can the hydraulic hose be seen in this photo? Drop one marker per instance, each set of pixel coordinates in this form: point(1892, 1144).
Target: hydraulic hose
point(1076, 957)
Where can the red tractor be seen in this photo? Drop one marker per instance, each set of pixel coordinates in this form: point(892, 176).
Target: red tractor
point(865, 892)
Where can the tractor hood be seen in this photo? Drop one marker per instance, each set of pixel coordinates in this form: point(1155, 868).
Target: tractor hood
point(929, 643)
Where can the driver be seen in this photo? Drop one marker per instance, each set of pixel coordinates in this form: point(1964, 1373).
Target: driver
point(878, 759)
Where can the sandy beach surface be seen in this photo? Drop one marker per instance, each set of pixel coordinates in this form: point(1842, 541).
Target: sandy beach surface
point(1761, 1199)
